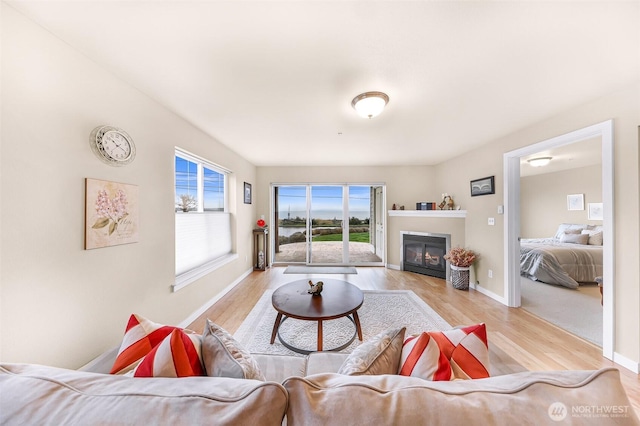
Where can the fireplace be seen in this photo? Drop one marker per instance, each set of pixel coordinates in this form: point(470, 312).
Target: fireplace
point(424, 253)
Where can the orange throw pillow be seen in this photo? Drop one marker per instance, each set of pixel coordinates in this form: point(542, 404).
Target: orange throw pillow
point(467, 350)
point(421, 357)
point(178, 355)
point(140, 337)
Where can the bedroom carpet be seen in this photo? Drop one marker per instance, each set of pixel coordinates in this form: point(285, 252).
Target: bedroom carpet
point(577, 311)
point(380, 311)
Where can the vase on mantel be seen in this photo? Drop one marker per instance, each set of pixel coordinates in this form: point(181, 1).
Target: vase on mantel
point(460, 277)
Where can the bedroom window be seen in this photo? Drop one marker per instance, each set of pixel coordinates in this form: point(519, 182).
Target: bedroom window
point(202, 222)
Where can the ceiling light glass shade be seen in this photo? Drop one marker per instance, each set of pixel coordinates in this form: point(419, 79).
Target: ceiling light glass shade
point(370, 104)
point(539, 162)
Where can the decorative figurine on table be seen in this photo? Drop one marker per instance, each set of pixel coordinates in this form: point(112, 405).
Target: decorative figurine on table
point(261, 223)
point(315, 289)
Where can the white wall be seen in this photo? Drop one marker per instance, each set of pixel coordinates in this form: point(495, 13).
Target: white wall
point(62, 305)
point(623, 106)
point(543, 200)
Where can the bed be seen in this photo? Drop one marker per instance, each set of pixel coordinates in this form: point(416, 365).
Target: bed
point(572, 256)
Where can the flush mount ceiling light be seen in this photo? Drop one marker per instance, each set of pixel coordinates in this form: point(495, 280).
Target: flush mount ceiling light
point(539, 162)
point(370, 104)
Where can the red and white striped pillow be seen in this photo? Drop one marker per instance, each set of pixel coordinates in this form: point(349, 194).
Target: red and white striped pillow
point(140, 337)
point(421, 357)
point(178, 355)
point(467, 349)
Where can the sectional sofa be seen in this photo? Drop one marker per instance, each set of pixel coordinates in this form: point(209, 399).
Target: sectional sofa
point(322, 388)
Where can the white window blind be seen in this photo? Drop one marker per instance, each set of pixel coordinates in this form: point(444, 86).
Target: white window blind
point(201, 238)
point(202, 234)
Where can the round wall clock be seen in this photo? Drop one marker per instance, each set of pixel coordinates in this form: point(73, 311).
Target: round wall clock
point(112, 145)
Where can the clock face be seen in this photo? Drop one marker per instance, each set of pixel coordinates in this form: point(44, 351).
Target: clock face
point(116, 146)
point(112, 145)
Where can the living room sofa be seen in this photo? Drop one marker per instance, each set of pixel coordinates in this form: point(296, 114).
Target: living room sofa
point(307, 391)
point(167, 375)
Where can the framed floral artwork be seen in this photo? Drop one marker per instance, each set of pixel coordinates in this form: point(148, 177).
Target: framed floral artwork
point(111, 214)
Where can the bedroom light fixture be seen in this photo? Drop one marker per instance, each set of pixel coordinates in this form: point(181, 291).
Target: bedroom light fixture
point(539, 162)
point(370, 104)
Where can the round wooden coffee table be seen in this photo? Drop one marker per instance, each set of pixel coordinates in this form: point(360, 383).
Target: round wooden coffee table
point(338, 299)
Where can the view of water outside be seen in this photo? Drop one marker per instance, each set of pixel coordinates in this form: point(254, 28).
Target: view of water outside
point(326, 204)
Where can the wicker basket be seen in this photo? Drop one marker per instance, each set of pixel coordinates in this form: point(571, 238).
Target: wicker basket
point(460, 277)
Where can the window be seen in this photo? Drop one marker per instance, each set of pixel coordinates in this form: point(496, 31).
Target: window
point(203, 225)
point(199, 186)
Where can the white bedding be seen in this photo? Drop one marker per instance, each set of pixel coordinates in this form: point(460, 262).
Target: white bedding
point(554, 262)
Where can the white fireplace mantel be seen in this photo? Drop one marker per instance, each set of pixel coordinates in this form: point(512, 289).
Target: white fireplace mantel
point(428, 213)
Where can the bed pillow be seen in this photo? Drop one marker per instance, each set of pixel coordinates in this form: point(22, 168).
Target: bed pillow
point(575, 238)
point(421, 357)
point(140, 337)
point(467, 350)
point(178, 355)
point(223, 356)
point(571, 227)
point(595, 237)
point(378, 355)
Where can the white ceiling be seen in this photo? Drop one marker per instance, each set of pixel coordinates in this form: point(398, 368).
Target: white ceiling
point(274, 80)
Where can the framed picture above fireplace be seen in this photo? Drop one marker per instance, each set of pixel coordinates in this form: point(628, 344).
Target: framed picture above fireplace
point(484, 186)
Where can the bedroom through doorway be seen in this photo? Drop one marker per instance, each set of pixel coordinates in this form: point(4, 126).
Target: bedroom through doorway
point(515, 217)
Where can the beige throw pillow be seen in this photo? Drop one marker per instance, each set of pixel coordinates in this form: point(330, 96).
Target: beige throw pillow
point(595, 237)
point(379, 355)
point(575, 238)
point(223, 356)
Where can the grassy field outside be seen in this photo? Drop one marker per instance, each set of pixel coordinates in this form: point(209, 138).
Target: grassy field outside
point(356, 237)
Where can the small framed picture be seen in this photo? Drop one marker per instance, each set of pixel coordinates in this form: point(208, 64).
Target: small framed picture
point(575, 202)
point(484, 186)
point(595, 211)
point(247, 193)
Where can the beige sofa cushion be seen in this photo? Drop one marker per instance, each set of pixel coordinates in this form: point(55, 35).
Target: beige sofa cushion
point(521, 398)
point(378, 355)
point(223, 356)
point(35, 394)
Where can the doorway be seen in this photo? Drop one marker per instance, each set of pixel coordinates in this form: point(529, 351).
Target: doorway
point(604, 131)
point(329, 224)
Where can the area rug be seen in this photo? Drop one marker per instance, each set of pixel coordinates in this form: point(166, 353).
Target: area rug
point(381, 310)
point(577, 311)
point(320, 270)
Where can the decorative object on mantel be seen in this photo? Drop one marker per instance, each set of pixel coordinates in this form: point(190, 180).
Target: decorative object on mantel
point(315, 289)
point(446, 203)
point(460, 260)
point(426, 206)
point(111, 214)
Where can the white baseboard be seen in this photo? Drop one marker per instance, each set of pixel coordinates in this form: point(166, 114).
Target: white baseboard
point(394, 267)
point(488, 293)
point(625, 362)
point(195, 315)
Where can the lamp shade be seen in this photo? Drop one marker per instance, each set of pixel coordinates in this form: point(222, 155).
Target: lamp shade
point(370, 104)
point(539, 162)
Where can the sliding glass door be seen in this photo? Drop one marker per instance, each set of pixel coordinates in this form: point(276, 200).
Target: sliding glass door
point(328, 224)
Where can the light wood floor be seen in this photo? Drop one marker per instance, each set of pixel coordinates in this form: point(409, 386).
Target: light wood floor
point(517, 338)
